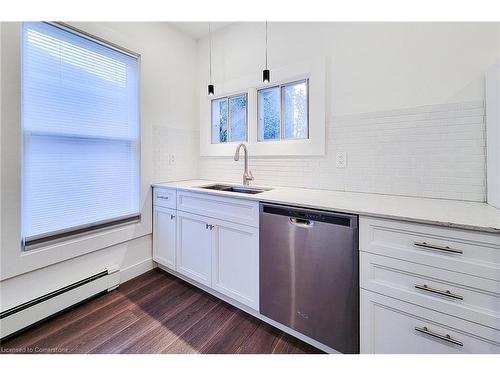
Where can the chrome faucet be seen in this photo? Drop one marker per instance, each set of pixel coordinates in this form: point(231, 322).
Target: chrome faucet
point(247, 175)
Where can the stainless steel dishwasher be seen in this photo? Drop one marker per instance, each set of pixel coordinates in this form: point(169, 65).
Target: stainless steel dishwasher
point(309, 273)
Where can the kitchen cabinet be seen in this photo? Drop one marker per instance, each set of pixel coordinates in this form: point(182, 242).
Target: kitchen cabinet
point(221, 255)
point(195, 243)
point(424, 288)
point(164, 236)
point(235, 264)
point(428, 289)
point(211, 240)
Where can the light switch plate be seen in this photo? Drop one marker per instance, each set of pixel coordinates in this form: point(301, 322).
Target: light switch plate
point(171, 158)
point(341, 159)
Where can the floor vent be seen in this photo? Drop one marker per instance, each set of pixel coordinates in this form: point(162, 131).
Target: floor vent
point(32, 312)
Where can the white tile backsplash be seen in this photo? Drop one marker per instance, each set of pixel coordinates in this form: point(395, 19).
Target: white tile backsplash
point(435, 151)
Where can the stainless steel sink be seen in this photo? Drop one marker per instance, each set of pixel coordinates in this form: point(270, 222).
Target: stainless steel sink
point(235, 188)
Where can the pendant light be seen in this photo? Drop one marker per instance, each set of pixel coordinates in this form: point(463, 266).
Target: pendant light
point(266, 75)
point(211, 90)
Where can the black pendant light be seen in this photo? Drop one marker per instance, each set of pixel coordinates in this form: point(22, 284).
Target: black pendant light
point(266, 75)
point(211, 90)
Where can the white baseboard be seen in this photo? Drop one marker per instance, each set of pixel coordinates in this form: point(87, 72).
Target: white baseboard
point(136, 269)
point(33, 311)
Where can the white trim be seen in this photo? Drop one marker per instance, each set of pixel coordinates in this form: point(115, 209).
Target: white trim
point(136, 269)
point(252, 312)
point(94, 38)
point(313, 70)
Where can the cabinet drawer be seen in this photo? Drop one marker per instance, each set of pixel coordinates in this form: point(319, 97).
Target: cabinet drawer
point(391, 326)
point(239, 211)
point(468, 252)
point(164, 197)
point(464, 296)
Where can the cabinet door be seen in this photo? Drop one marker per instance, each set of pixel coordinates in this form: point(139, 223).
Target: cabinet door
point(236, 262)
point(164, 234)
point(194, 247)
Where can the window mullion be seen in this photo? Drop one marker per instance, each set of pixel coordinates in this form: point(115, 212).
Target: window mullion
point(282, 108)
point(228, 140)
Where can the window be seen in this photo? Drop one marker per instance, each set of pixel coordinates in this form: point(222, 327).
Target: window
point(80, 118)
point(283, 112)
point(229, 119)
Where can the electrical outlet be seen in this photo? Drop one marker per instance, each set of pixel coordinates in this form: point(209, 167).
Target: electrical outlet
point(341, 159)
point(171, 158)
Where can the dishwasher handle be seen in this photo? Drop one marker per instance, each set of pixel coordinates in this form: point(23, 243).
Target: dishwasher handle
point(306, 217)
point(302, 223)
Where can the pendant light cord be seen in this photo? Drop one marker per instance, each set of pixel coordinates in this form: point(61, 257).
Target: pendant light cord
point(266, 44)
point(210, 50)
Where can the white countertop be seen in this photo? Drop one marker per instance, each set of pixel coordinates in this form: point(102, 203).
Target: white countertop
point(456, 214)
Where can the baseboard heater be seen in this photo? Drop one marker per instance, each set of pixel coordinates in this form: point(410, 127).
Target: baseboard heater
point(27, 314)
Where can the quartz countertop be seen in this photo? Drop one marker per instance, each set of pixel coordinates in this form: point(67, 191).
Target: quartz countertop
point(450, 213)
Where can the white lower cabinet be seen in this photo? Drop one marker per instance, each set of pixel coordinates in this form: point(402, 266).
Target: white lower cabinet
point(194, 247)
point(221, 255)
point(164, 233)
point(391, 326)
point(428, 289)
point(235, 263)
point(211, 250)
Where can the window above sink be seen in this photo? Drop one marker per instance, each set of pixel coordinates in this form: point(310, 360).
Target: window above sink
point(295, 100)
point(229, 119)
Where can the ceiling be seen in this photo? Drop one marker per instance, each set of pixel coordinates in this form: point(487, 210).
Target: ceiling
point(198, 30)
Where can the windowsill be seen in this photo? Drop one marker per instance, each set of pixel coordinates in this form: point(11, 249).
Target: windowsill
point(73, 235)
point(72, 248)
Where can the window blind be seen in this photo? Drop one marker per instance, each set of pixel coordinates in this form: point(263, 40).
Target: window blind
point(81, 136)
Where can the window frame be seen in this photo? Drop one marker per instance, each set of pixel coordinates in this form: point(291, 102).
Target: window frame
point(228, 100)
point(53, 238)
point(281, 87)
point(313, 69)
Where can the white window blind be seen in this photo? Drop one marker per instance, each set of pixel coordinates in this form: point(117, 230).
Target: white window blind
point(81, 136)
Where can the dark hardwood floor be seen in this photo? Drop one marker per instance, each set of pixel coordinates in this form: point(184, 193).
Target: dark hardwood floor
point(155, 313)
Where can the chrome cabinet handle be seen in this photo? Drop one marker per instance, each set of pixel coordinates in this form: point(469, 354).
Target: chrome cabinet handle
point(162, 197)
point(209, 226)
point(303, 223)
point(446, 293)
point(172, 217)
point(439, 248)
point(446, 337)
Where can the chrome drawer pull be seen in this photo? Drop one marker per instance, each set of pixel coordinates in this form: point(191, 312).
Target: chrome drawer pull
point(446, 293)
point(447, 338)
point(162, 197)
point(436, 247)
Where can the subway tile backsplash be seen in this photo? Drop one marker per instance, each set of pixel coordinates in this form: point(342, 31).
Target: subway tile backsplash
point(435, 151)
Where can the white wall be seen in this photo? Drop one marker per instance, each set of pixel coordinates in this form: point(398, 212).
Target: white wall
point(167, 66)
point(402, 99)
